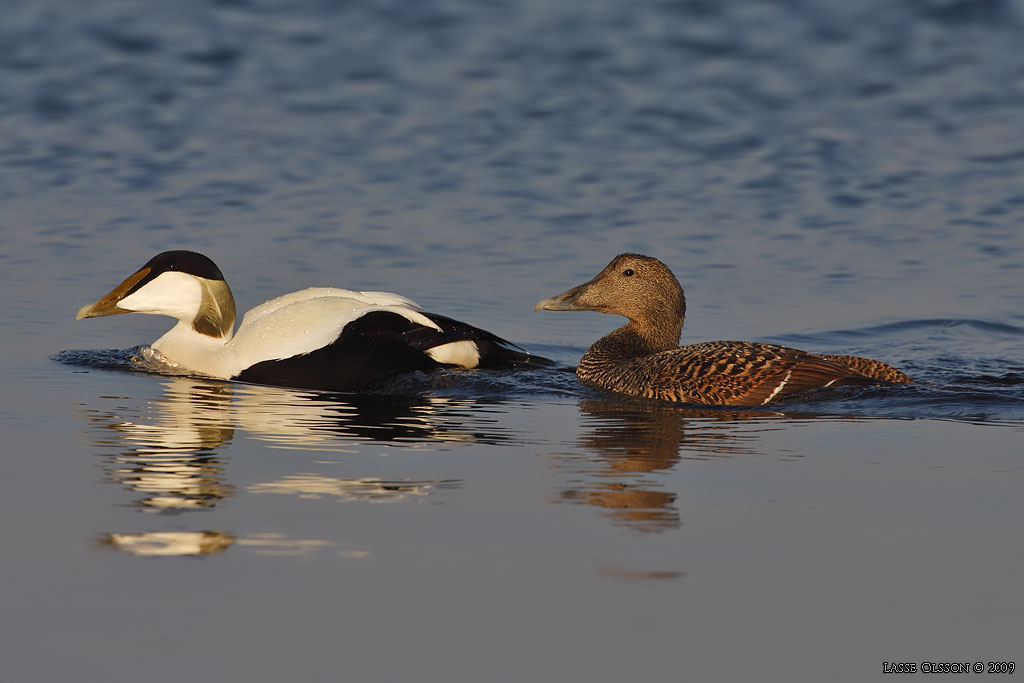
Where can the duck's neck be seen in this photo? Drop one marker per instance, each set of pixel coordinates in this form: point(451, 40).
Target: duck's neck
point(634, 340)
point(660, 335)
point(194, 351)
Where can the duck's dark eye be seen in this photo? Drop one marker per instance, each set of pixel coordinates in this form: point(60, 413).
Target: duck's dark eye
point(628, 272)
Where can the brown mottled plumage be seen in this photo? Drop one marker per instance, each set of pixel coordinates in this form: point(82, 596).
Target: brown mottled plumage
point(643, 358)
point(872, 368)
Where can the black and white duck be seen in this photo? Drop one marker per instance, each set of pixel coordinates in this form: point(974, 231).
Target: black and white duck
point(316, 338)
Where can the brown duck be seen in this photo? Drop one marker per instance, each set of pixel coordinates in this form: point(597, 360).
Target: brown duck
point(643, 357)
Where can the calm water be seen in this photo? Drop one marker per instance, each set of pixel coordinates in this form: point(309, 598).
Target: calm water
point(841, 177)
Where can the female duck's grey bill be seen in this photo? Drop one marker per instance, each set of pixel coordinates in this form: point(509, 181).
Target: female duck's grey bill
point(566, 301)
point(108, 304)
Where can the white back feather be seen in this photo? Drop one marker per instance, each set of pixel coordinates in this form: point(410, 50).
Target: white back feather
point(304, 321)
point(292, 324)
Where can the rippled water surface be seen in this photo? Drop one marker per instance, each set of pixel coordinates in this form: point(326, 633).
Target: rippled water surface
point(841, 177)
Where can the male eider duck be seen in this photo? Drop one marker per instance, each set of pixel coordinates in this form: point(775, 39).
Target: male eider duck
point(317, 338)
point(643, 358)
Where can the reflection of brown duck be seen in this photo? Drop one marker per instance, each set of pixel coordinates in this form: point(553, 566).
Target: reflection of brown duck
point(643, 358)
point(631, 439)
point(637, 438)
point(650, 436)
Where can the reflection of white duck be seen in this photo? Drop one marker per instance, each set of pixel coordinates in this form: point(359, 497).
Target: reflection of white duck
point(171, 543)
point(317, 338)
point(169, 452)
point(195, 418)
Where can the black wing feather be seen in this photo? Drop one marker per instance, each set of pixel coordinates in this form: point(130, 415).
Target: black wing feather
point(379, 345)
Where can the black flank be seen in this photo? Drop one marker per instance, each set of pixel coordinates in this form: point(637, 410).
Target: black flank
point(380, 345)
point(495, 352)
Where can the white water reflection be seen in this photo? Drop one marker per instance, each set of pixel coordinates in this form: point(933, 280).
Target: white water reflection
point(170, 449)
point(282, 546)
point(348, 490)
point(296, 419)
point(196, 543)
point(172, 453)
point(171, 543)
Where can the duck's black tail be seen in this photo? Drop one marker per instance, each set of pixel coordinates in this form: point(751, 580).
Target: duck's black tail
point(494, 352)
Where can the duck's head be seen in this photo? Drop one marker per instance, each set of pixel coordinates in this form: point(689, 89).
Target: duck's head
point(181, 284)
point(641, 288)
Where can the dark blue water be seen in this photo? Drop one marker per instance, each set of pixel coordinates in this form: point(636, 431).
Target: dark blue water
point(840, 177)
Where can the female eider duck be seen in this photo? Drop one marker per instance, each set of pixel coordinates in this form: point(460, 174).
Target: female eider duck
point(317, 338)
point(643, 358)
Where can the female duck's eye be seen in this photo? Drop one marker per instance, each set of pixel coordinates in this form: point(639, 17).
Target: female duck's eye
point(628, 272)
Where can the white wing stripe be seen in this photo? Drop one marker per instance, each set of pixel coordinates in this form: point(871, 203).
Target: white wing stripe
point(779, 388)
